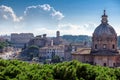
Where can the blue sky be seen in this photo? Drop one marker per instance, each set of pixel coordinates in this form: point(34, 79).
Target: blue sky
point(74, 17)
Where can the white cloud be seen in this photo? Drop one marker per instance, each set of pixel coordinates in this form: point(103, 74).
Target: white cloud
point(40, 19)
point(8, 13)
point(68, 29)
point(73, 29)
point(44, 17)
point(58, 15)
point(117, 29)
point(90, 26)
point(45, 7)
point(5, 17)
point(68, 26)
point(49, 32)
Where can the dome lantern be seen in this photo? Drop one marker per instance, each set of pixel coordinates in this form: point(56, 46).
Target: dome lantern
point(104, 18)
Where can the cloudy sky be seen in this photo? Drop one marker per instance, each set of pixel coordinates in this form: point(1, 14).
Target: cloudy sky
point(74, 17)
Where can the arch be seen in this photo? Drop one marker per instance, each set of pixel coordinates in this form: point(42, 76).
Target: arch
point(96, 46)
point(104, 64)
point(113, 46)
point(104, 46)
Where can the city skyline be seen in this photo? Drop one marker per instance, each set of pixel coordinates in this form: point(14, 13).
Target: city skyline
point(78, 17)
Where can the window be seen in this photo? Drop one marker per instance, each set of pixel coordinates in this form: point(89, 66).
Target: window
point(113, 46)
point(94, 63)
point(113, 64)
point(95, 46)
point(104, 46)
point(104, 64)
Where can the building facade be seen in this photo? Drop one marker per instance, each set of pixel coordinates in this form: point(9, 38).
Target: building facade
point(40, 41)
point(104, 50)
point(57, 40)
point(50, 51)
point(20, 40)
point(43, 40)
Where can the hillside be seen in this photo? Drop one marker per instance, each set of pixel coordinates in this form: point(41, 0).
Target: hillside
point(74, 70)
point(81, 39)
point(77, 38)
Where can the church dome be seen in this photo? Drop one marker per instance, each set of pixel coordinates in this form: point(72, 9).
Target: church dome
point(104, 28)
point(104, 40)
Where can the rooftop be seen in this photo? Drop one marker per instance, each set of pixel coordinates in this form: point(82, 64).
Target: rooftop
point(82, 51)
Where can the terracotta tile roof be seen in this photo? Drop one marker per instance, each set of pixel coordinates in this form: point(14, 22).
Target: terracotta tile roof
point(83, 51)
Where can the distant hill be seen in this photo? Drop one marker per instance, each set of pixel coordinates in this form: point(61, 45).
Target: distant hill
point(77, 38)
point(81, 39)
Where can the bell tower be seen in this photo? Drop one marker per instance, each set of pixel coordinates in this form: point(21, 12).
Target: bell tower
point(58, 34)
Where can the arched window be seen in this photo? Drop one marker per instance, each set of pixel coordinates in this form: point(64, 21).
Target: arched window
point(114, 65)
point(95, 46)
point(113, 46)
point(104, 46)
point(104, 64)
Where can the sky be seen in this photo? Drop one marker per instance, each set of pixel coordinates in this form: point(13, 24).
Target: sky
point(70, 17)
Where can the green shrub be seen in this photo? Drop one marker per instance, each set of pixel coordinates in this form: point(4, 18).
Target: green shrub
point(73, 70)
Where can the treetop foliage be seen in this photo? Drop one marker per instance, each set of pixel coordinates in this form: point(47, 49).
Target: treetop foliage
point(3, 44)
point(73, 70)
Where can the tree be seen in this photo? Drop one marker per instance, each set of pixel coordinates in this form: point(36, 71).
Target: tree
point(33, 50)
point(73, 70)
point(3, 44)
point(55, 59)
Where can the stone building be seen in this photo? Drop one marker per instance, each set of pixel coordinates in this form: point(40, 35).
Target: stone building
point(43, 40)
point(49, 51)
point(20, 40)
point(40, 41)
point(5, 38)
point(104, 50)
point(58, 40)
point(2, 39)
point(49, 46)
